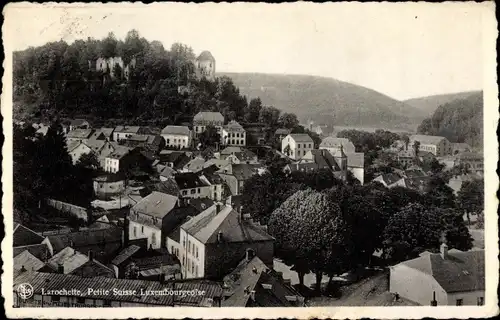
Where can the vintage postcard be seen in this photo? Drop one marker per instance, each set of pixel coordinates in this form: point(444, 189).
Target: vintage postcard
point(250, 160)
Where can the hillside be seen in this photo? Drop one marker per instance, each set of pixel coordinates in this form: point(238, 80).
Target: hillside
point(460, 120)
point(319, 98)
point(429, 104)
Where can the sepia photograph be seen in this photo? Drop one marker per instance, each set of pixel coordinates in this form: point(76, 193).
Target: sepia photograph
point(289, 159)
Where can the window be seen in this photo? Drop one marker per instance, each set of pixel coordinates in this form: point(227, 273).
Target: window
point(168, 141)
point(184, 192)
point(196, 270)
point(460, 302)
point(189, 246)
point(196, 252)
point(106, 303)
point(135, 232)
point(80, 300)
point(199, 190)
point(480, 301)
point(192, 268)
point(58, 298)
point(298, 145)
point(193, 191)
point(153, 239)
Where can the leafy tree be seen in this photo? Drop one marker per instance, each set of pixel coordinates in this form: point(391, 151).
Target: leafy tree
point(288, 120)
point(253, 111)
point(210, 137)
point(89, 161)
point(316, 233)
point(471, 197)
point(416, 148)
point(417, 228)
point(439, 194)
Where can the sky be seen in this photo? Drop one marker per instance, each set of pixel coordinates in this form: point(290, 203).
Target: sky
point(403, 50)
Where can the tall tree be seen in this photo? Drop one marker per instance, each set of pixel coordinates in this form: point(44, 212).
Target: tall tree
point(470, 197)
point(210, 137)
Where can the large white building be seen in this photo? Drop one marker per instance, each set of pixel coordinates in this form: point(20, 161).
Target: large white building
point(176, 136)
point(296, 145)
point(233, 134)
point(438, 146)
point(207, 118)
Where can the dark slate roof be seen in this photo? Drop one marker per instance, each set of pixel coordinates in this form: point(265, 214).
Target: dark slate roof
point(245, 155)
point(333, 142)
point(270, 289)
point(244, 171)
point(209, 116)
point(125, 254)
point(234, 126)
point(205, 56)
point(323, 160)
point(40, 251)
point(301, 137)
point(390, 178)
point(56, 281)
point(78, 122)
point(24, 236)
point(230, 150)
point(209, 223)
point(85, 238)
point(79, 134)
point(461, 271)
point(127, 129)
point(424, 139)
point(189, 180)
point(356, 160)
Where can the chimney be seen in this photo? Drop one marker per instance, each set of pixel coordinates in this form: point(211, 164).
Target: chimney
point(91, 255)
point(218, 207)
point(444, 251)
point(60, 269)
point(219, 236)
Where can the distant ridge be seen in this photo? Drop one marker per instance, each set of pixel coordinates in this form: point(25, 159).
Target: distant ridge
point(327, 100)
point(429, 104)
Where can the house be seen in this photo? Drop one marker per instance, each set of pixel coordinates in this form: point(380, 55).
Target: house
point(108, 133)
point(194, 165)
point(296, 145)
point(148, 142)
point(414, 183)
point(70, 261)
point(387, 179)
point(76, 149)
point(150, 216)
point(281, 133)
point(460, 147)
point(25, 239)
point(80, 135)
point(406, 157)
point(79, 124)
point(235, 175)
point(253, 284)
point(323, 159)
point(98, 135)
point(233, 134)
point(124, 159)
point(473, 162)
point(215, 241)
point(166, 173)
point(52, 290)
point(207, 118)
point(205, 65)
point(176, 137)
point(456, 182)
point(176, 160)
point(356, 164)
point(450, 277)
point(439, 146)
point(103, 242)
point(332, 144)
point(199, 185)
point(245, 156)
point(146, 264)
point(228, 151)
point(27, 261)
point(123, 132)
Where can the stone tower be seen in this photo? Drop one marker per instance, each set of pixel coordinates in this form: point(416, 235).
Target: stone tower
point(205, 65)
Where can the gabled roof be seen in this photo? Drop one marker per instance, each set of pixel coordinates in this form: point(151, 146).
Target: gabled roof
point(40, 251)
point(79, 134)
point(209, 116)
point(95, 145)
point(234, 126)
point(245, 155)
point(68, 258)
point(301, 137)
point(459, 272)
point(125, 254)
point(108, 132)
point(177, 130)
point(269, 289)
point(389, 178)
point(127, 129)
point(28, 261)
point(205, 56)
point(24, 236)
point(230, 150)
point(85, 238)
point(282, 131)
point(96, 135)
point(119, 151)
point(189, 180)
point(425, 139)
point(206, 226)
point(333, 142)
point(78, 122)
point(242, 171)
point(156, 204)
point(195, 164)
point(167, 172)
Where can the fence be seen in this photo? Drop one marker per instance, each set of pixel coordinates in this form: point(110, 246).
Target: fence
point(76, 211)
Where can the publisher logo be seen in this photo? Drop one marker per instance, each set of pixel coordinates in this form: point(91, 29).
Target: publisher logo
point(25, 291)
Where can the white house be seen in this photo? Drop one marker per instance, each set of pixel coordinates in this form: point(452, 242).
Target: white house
point(451, 277)
point(112, 161)
point(438, 146)
point(176, 136)
point(332, 144)
point(76, 149)
point(207, 118)
point(296, 145)
point(233, 134)
point(149, 216)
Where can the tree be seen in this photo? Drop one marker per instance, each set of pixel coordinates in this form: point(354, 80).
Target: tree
point(471, 197)
point(416, 148)
point(315, 232)
point(253, 111)
point(439, 194)
point(288, 120)
point(418, 227)
point(406, 140)
point(210, 137)
point(89, 161)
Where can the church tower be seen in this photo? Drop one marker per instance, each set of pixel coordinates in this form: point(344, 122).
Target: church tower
point(341, 159)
